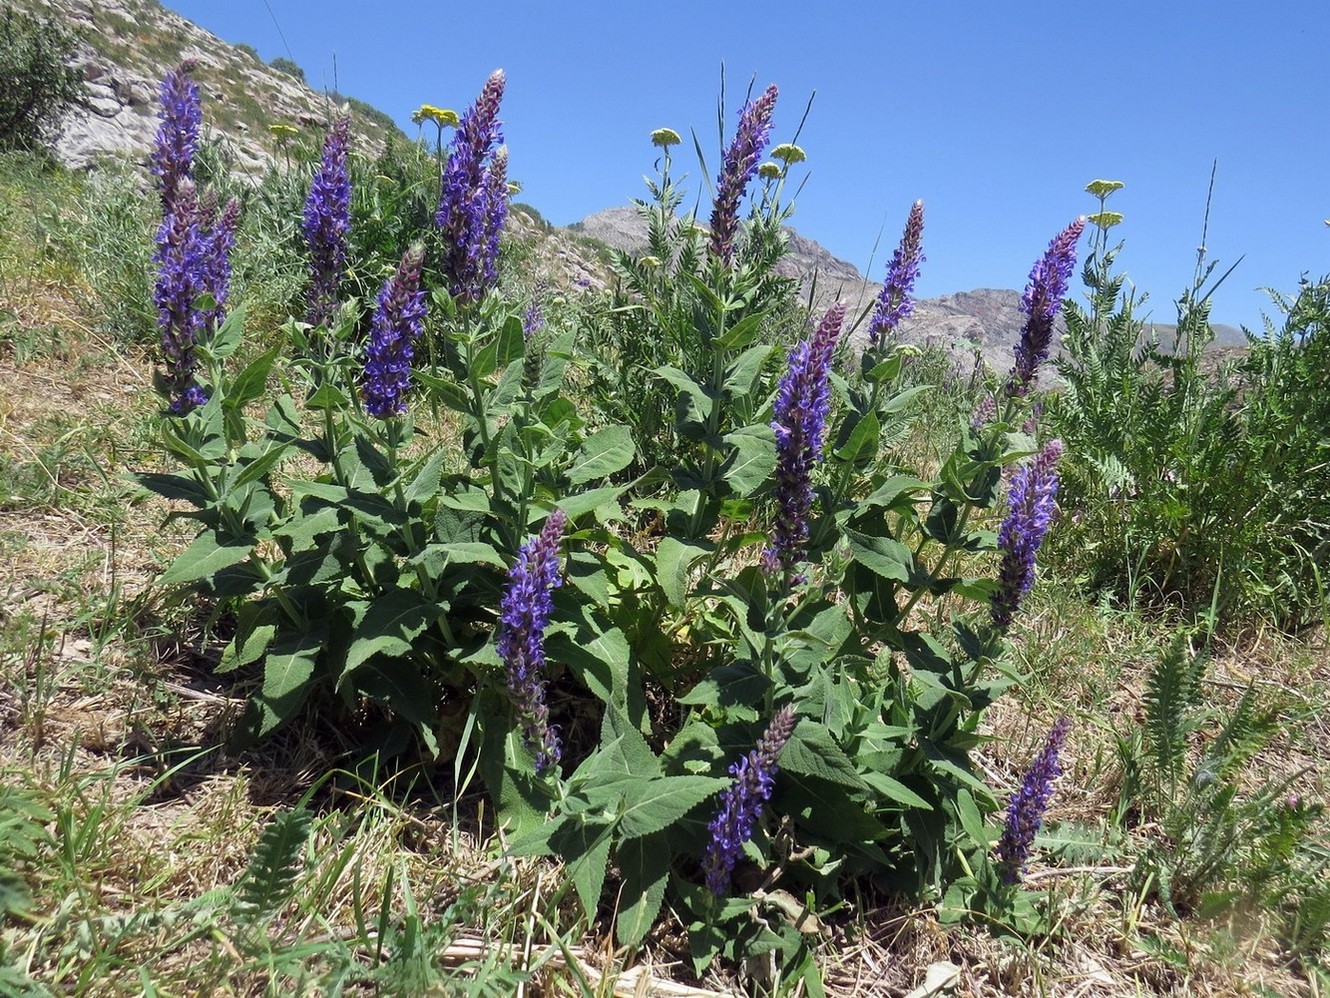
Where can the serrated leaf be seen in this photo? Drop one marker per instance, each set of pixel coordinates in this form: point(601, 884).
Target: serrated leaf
point(860, 446)
point(887, 558)
point(205, 556)
point(644, 863)
point(602, 454)
point(391, 623)
point(811, 751)
point(287, 673)
point(249, 383)
point(753, 459)
point(654, 805)
point(741, 378)
point(673, 559)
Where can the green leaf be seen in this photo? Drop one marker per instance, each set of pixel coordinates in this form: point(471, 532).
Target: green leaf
point(327, 396)
point(392, 622)
point(261, 465)
point(894, 789)
point(971, 820)
point(249, 383)
point(175, 486)
point(437, 557)
point(206, 556)
point(585, 849)
point(741, 378)
point(602, 454)
point(700, 403)
point(446, 391)
point(740, 334)
point(644, 864)
point(753, 459)
point(654, 805)
point(811, 751)
point(604, 499)
point(739, 684)
point(286, 679)
point(673, 559)
point(882, 556)
point(407, 693)
point(227, 339)
point(860, 446)
point(425, 485)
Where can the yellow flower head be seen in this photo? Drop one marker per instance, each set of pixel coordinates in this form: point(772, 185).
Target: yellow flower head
point(650, 261)
point(1103, 188)
point(789, 153)
point(439, 115)
point(1104, 219)
point(769, 171)
point(665, 137)
point(283, 132)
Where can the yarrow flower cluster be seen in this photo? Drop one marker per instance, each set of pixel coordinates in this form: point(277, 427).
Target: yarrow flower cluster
point(895, 302)
point(398, 322)
point(525, 612)
point(803, 400)
point(737, 170)
point(474, 198)
point(1031, 503)
point(1040, 302)
point(328, 221)
point(742, 801)
point(194, 242)
point(1025, 813)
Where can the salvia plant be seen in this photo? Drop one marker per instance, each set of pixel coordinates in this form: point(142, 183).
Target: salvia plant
point(737, 646)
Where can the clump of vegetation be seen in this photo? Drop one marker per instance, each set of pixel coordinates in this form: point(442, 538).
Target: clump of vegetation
point(737, 621)
point(41, 87)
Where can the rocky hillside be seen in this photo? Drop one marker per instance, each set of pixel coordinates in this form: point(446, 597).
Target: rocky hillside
point(128, 45)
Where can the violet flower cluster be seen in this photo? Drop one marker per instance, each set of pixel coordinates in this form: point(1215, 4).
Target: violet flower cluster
point(177, 138)
point(194, 242)
point(737, 170)
point(525, 612)
point(474, 198)
point(1031, 502)
point(896, 302)
point(803, 400)
point(398, 322)
point(742, 801)
point(1040, 302)
point(327, 222)
point(1025, 813)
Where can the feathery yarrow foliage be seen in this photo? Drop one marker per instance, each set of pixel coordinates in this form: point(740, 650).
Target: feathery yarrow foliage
point(1040, 302)
point(398, 322)
point(737, 170)
point(525, 613)
point(803, 400)
point(896, 300)
point(474, 196)
point(1025, 813)
point(327, 222)
point(1031, 504)
point(742, 801)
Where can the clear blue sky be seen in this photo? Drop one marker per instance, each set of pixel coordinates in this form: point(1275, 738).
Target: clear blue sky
point(995, 114)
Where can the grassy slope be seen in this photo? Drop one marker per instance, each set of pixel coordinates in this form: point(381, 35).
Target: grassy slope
point(112, 730)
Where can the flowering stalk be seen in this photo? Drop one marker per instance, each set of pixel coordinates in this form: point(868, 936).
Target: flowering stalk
point(742, 801)
point(328, 221)
point(1031, 503)
point(737, 170)
point(803, 401)
point(220, 240)
point(895, 301)
point(398, 321)
point(472, 203)
point(181, 254)
point(1040, 302)
point(525, 612)
point(1025, 813)
point(177, 138)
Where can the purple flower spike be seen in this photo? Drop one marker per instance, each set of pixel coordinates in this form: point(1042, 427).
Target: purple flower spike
point(177, 138)
point(1040, 302)
point(525, 612)
point(181, 258)
point(742, 801)
point(398, 322)
point(220, 240)
point(474, 198)
point(803, 401)
point(1025, 813)
point(1031, 504)
point(328, 221)
point(737, 170)
point(895, 302)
